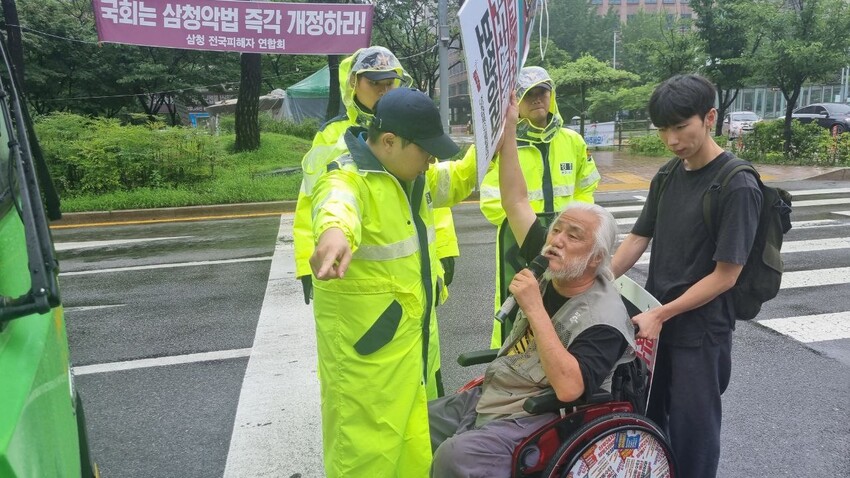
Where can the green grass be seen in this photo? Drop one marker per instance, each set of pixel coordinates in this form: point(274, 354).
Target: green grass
point(238, 178)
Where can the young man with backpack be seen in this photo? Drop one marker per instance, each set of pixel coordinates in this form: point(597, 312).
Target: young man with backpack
point(691, 271)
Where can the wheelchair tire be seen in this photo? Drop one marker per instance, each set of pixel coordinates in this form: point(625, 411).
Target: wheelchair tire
point(616, 445)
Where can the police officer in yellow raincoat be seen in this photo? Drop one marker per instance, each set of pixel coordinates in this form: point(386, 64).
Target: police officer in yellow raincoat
point(377, 277)
point(554, 161)
point(364, 77)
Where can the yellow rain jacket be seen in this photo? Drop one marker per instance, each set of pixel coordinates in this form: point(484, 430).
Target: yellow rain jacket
point(565, 174)
point(373, 326)
point(329, 144)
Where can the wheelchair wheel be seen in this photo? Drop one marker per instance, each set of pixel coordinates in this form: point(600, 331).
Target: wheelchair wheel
point(618, 445)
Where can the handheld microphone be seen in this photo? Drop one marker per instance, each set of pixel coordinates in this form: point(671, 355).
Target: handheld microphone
point(509, 307)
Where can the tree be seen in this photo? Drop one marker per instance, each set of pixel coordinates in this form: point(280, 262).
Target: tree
point(656, 48)
point(725, 28)
point(334, 98)
point(409, 29)
point(576, 27)
point(248, 104)
point(585, 74)
point(805, 42)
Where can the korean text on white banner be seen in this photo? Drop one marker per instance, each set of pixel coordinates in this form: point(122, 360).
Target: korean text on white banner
point(223, 25)
point(495, 37)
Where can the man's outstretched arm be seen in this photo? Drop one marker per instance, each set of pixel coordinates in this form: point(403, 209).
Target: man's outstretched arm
point(512, 187)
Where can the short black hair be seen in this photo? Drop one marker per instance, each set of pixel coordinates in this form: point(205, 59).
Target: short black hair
point(680, 97)
point(374, 132)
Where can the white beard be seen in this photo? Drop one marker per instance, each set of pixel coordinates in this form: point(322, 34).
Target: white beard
point(573, 269)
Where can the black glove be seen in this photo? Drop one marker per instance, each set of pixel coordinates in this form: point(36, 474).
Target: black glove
point(307, 285)
point(449, 269)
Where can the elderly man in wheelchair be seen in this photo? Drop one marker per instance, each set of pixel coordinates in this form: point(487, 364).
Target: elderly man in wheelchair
point(571, 332)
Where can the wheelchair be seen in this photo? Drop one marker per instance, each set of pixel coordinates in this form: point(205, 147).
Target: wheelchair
point(596, 437)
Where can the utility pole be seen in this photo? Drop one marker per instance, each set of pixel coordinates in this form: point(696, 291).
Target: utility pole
point(443, 43)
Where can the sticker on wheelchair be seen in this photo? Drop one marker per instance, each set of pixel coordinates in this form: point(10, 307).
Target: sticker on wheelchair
point(622, 454)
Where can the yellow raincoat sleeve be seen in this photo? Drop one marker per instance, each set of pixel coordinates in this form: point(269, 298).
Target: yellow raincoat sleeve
point(490, 201)
point(450, 182)
point(587, 177)
point(325, 148)
point(337, 202)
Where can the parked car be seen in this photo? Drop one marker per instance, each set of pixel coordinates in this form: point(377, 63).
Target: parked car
point(738, 123)
point(834, 116)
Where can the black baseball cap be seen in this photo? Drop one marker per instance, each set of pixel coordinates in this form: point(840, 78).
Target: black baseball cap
point(409, 113)
point(378, 75)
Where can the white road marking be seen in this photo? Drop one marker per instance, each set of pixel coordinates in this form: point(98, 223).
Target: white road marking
point(161, 361)
point(810, 245)
point(812, 328)
point(640, 198)
point(815, 278)
point(813, 192)
point(842, 213)
point(277, 428)
point(92, 307)
point(820, 202)
point(66, 246)
point(789, 247)
point(165, 266)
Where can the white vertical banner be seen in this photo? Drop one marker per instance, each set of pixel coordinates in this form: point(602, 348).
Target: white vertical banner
point(495, 37)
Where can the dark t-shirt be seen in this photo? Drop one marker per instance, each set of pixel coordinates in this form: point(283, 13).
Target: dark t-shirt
point(683, 250)
point(596, 349)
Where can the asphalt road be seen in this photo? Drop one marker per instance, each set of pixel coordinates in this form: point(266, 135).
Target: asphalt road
point(162, 322)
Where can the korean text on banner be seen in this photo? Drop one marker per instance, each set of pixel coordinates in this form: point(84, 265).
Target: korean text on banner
point(494, 50)
point(224, 25)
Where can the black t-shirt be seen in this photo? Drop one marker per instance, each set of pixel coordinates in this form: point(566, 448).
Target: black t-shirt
point(596, 349)
point(683, 250)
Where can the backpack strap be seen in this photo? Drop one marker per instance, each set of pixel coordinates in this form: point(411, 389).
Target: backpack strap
point(663, 174)
point(718, 184)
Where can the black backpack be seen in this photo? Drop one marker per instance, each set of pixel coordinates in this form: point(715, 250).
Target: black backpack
point(762, 274)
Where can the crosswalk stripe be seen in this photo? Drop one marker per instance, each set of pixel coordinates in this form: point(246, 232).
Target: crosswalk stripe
point(820, 202)
point(796, 225)
point(162, 361)
point(815, 277)
point(164, 266)
point(796, 204)
point(789, 247)
point(812, 328)
point(815, 245)
point(66, 246)
point(813, 192)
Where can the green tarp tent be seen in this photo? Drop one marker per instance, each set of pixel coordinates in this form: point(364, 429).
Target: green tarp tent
point(309, 97)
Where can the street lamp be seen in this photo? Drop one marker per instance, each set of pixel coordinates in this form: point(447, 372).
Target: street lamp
point(614, 61)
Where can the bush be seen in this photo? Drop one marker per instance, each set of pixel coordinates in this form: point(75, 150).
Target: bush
point(97, 155)
point(648, 145)
point(810, 144)
point(306, 129)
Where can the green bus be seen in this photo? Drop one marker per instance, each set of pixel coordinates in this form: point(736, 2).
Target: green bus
point(42, 429)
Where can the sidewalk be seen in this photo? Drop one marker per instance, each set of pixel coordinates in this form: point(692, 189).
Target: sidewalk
point(620, 172)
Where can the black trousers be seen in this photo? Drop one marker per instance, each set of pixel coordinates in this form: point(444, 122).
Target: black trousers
point(685, 401)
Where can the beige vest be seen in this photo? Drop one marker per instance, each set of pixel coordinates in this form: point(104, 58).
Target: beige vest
point(511, 379)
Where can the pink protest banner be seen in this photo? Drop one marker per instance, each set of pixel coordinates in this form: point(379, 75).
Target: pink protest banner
point(221, 25)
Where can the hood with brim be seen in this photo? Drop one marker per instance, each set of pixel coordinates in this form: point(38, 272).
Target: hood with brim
point(373, 58)
point(530, 77)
